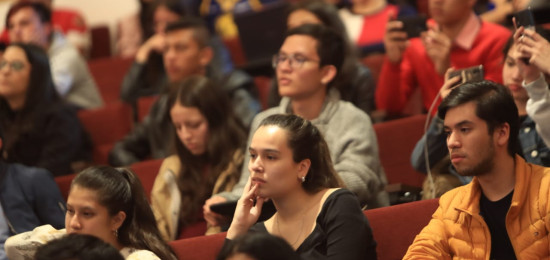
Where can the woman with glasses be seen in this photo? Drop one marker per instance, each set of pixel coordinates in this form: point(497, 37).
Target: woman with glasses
point(40, 129)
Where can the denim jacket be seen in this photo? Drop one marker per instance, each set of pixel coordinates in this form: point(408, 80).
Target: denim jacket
point(532, 146)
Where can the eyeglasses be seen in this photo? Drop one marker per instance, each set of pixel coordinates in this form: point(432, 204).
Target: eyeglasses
point(14, 65)
point(294, 61)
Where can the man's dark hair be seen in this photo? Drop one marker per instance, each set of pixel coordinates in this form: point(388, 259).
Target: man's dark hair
point(43, 12)
point(2, 143)
point(330, 44)
point(77, 247)
point(494, 104)
point(200, 31)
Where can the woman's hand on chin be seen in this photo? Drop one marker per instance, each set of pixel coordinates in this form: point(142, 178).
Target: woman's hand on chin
point(247, 212)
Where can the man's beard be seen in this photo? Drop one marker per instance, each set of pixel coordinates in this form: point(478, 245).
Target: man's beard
point(486, 165)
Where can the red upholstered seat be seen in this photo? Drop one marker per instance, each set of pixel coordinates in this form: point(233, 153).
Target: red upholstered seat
point(64, 184)
point(147, 172)
point(396, 140)
point(144, 104)
point(101, 42)
point(108, 74)
point(263, 84)
point(395, 227)
point(106, 125)
point(199, 248)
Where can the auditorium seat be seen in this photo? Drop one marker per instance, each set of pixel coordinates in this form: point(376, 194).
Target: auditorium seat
point(395, 227)
point(108, 74)
point(144, 104)
point(105, 126)
point(147, 172)
point(101, 42)
point(396, 140)
point(263, 84)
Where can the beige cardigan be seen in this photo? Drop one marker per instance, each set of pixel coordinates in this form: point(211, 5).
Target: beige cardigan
point(166, 197)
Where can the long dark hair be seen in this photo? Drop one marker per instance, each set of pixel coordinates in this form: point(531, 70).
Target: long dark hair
point(120, 190)
point(259, 246)
point(41, 95)
point(226, 136)
point(306, 142)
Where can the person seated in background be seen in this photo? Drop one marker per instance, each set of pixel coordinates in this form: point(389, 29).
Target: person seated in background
point(72, 24)
point(209, 155)
point(40, 129)
point(29, 198)
point(306, 64)
point(354, 81)
point(147, 75)
point(29, 22)
point(533, 149)
point(109, 204)
point(258, 246)
point(77, 247)
point(536, 49)
point(496, 11)
point(290, 165)
point(457, 39)
point(366, 20)
point(68, 21)
point(503, 213)
point(186, 53)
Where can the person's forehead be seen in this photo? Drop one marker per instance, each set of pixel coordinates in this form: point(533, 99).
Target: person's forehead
point(303, 44)
point(24, 13)
point(462, 113)
point(181, 35)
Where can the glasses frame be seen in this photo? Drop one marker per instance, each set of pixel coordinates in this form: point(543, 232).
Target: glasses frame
point(294, 63)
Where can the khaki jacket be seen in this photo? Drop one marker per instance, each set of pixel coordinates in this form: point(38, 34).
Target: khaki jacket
point(166, 197)
point(458, 231)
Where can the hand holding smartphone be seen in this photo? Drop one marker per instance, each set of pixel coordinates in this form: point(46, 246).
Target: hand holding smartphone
point(413, 25)
point(526, 19)
point(468, 75)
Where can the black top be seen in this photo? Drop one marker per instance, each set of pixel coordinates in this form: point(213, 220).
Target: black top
point(56, 140)
point(342, 231)
point(494, 214)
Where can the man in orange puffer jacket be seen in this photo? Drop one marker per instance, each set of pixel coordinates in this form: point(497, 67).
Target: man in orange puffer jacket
point(503, 213)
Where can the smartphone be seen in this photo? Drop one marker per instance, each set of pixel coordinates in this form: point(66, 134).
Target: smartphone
point(413, 25)
point(468, 75)
point(526, 19)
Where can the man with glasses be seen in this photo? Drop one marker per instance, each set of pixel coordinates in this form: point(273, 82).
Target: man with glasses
point(309, 59)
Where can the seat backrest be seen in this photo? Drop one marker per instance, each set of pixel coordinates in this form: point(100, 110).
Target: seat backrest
point(64, 184)
point(101, 42)
point(147, 173)
point(144, 104)
point(199, 248)
point(263, 84)
point(396, 140)
point(105, 126)
point(108, 74)
point(395, 227)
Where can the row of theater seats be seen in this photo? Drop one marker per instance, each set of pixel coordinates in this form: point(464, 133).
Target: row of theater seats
point(392, 233)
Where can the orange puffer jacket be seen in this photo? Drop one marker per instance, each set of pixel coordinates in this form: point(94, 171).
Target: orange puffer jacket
point(458, 231)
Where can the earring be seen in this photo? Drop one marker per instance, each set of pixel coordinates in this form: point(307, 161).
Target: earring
point(116, 232)
point(303, 179)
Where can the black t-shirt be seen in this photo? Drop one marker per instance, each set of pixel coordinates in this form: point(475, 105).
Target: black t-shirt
point(494, 213)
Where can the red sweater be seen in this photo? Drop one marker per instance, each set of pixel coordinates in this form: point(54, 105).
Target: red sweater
point(397, 81)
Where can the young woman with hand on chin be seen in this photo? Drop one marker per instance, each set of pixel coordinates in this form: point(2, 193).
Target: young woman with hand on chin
point(290, 164)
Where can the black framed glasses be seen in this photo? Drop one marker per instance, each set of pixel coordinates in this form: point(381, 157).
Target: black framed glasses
point(294, 61)
point(14, 65)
